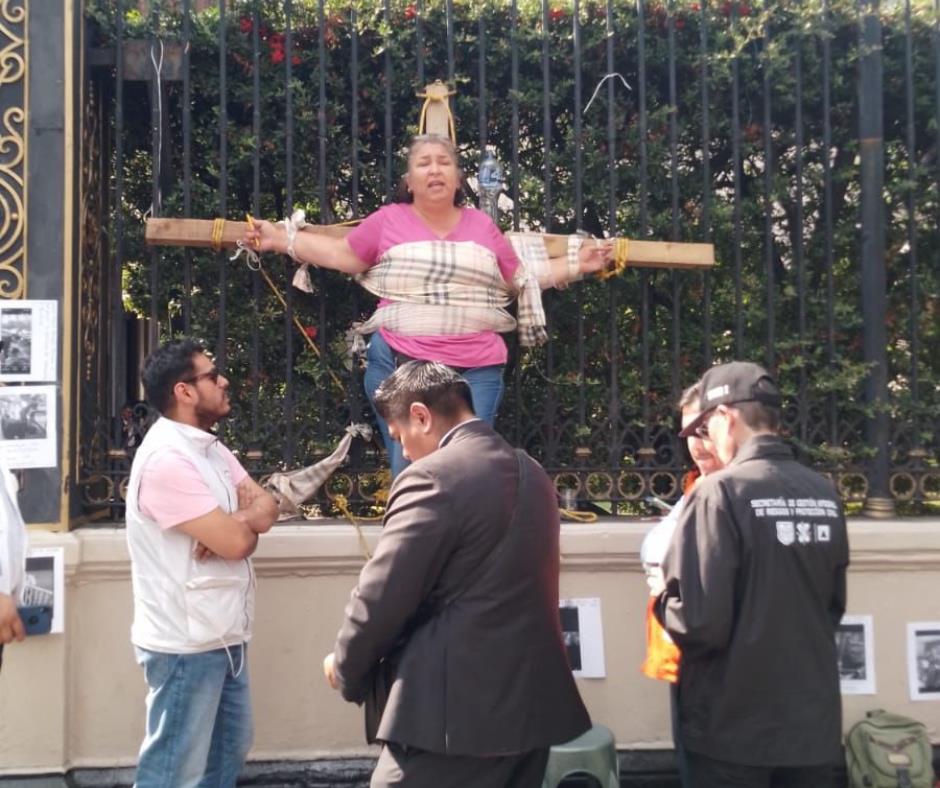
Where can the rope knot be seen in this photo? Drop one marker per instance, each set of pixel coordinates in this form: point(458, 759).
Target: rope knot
point(621, 256)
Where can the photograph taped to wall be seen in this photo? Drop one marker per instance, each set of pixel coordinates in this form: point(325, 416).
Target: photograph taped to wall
point(855, 648)
point(45, 582)
point(584, 636)
point(28, 341)
point(923, 659)
point(28, 426)
point(571, 634)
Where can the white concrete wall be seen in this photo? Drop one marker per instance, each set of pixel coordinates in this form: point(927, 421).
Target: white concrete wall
point(76, 700)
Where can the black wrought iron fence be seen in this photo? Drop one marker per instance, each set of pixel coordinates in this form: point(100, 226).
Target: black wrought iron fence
point(800, 138)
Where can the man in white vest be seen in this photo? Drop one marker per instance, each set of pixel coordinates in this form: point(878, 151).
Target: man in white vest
point(12, 559)
point(193, 519)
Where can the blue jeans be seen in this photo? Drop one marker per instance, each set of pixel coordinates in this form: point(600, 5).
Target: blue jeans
point(486, 387)
point(199, 727)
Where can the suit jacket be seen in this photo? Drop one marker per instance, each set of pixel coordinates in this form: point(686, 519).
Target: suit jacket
point(487, 674)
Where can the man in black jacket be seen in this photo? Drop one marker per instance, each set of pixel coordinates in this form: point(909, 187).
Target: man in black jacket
point(464, 587)
point(755, 587)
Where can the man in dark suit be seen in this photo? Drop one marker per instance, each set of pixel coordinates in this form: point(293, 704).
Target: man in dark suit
point(463, 586)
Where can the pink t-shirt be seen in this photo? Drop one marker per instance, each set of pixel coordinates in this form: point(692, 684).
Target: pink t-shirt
point(398, 223)
point(172, 491)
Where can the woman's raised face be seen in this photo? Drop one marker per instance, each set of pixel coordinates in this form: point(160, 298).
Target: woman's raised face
point(433, 173)
point(701, 449)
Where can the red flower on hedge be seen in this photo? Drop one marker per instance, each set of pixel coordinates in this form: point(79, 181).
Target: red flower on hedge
point(411, 11)
point(556, 14)
point(295, 60)
point(277, 47)
point(311, 331)
point(245, 24)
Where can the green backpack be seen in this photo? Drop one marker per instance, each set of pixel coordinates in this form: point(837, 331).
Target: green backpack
point(889, 751)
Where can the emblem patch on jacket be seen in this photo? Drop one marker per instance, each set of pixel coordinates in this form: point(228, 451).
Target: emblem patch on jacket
point(786, 533)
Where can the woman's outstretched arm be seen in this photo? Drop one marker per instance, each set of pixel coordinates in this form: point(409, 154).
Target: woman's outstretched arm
point(309, 247)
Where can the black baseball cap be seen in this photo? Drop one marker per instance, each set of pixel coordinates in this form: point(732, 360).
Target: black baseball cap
point(736, 381)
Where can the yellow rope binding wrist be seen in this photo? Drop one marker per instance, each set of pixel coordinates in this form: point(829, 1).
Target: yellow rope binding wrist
point(621, 252)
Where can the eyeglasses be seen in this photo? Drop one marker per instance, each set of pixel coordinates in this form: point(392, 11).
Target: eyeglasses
point(212, 374)
point(701, 431)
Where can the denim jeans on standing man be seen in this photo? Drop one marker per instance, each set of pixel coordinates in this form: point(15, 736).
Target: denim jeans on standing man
point(486, 387)
point(199, 726)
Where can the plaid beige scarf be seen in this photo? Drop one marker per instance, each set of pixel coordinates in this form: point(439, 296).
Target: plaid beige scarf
point(448, 287)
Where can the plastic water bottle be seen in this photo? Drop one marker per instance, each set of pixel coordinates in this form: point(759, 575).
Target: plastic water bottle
point(490, 179)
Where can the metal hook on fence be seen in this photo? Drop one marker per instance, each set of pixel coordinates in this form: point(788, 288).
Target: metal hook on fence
point(603, 80)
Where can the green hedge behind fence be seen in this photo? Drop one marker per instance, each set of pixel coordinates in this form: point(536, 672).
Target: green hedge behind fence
point(826, 413)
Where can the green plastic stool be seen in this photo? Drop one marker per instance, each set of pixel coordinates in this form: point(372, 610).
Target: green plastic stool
point(592, 753)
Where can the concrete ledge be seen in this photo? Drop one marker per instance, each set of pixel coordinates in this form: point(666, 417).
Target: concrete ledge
point(331, 547)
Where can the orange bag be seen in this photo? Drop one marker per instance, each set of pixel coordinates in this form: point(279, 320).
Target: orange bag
point(662, 654)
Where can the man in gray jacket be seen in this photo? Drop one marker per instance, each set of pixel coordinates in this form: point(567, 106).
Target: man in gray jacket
point(463, 586)
point(755, 586)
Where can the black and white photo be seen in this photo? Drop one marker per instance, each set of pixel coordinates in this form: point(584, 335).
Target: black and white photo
point(23, 415)
point(855, 652)
point(45, 582)
point(28, 426)
point(39, 588)
point(16, 341)
point(583, 636)
point(923, 654)
point(29, 333)
point(571, 633)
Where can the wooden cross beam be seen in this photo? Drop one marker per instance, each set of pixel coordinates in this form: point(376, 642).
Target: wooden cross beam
point(436, 118)
point(210, 234)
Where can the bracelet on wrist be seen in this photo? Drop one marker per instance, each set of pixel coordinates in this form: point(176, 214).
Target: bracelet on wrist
point(296, 221)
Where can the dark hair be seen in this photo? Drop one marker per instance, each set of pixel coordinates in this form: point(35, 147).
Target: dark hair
point(758, 416)
point(401, 191)
point(431, 383)
point(165, 367)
